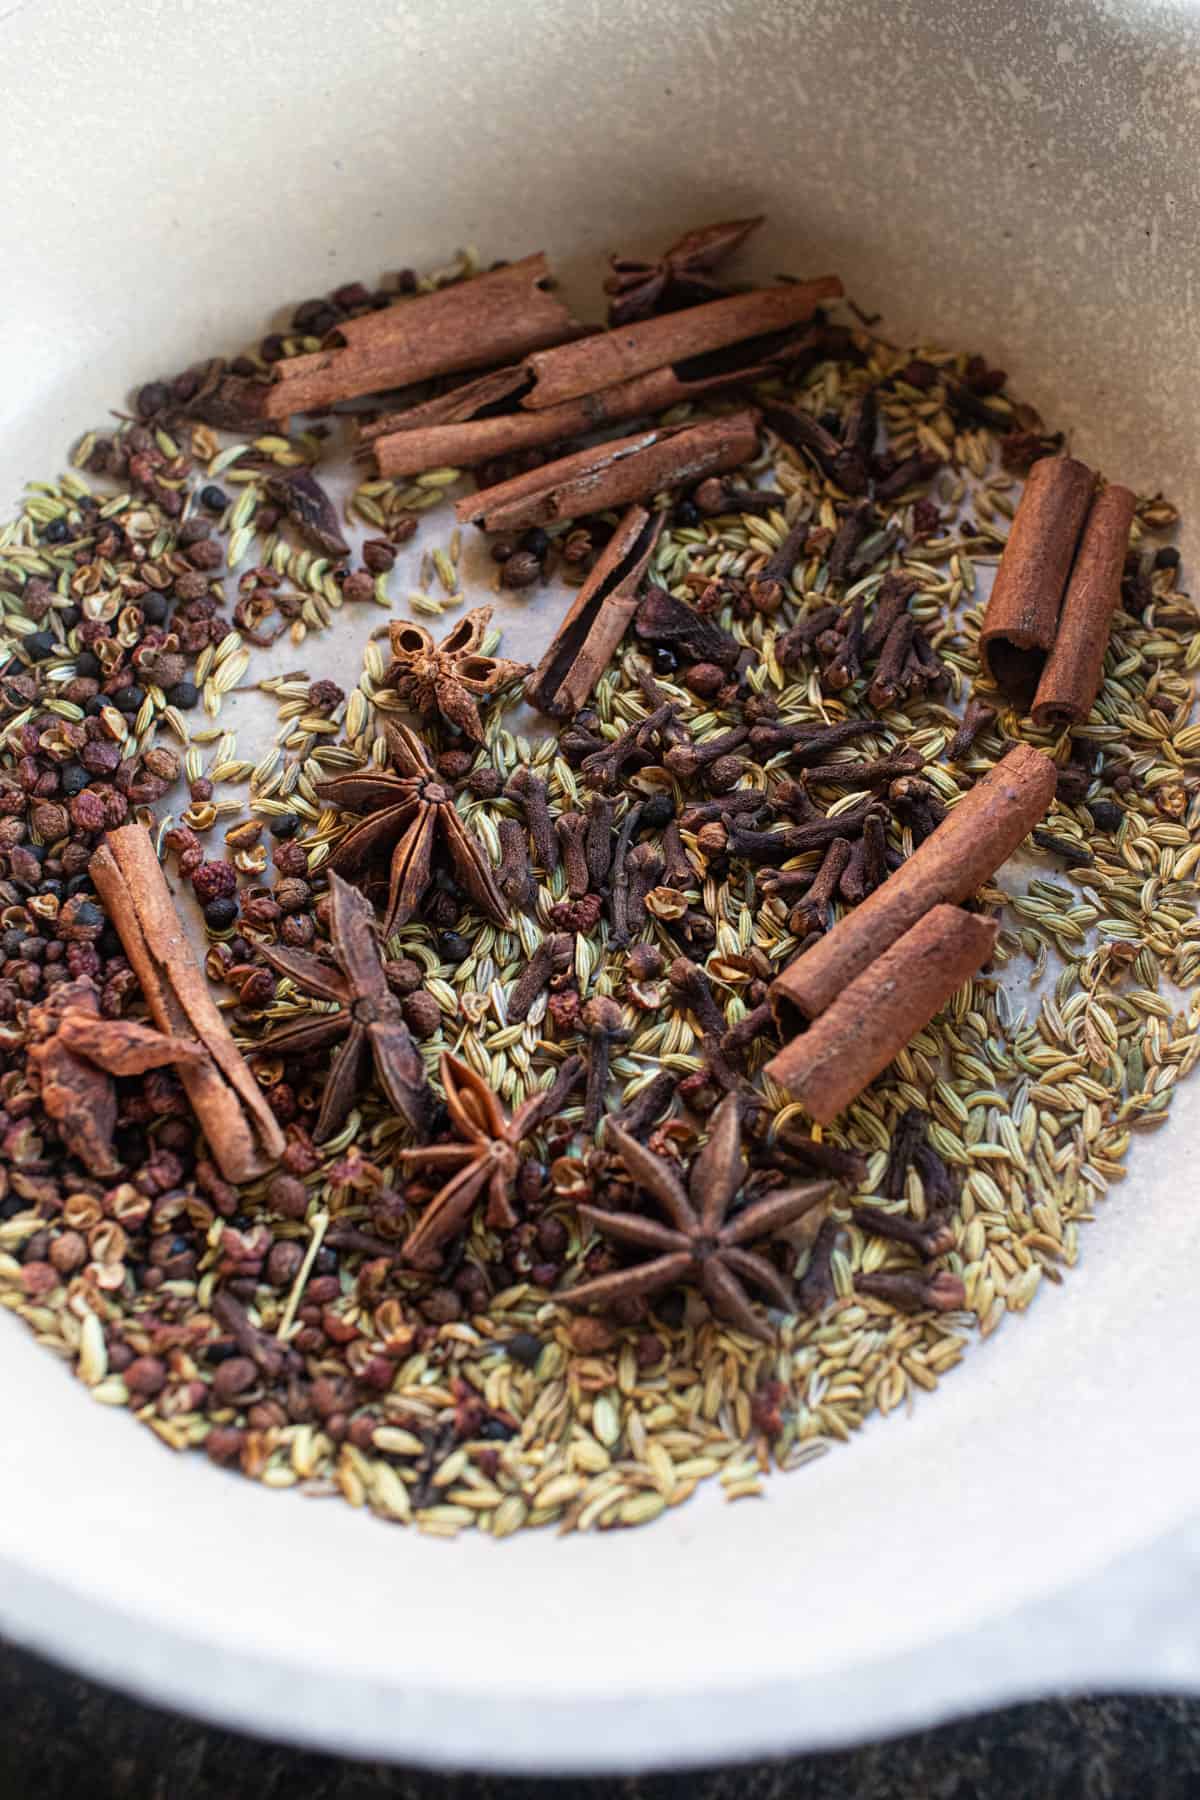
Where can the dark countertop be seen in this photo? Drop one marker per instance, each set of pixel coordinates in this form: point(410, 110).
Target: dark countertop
point(64, 1736)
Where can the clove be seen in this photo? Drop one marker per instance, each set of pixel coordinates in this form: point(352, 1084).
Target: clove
point(688, 760)
point(529, 791)
point(976, 719)
point(648, 1104)
point(603, 1022)
point(618, 893)
point(812, 913)
point(553, 956)
point(915, 1291)
point(928, 1237)
point(844, 664)
point(792, 645)
point(889, 675)
point(855, 524)
point(571, 829)
point(598, 844)
point(514, 877)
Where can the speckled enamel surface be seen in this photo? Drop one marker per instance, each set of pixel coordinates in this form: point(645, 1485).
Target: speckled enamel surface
point(1020, 178)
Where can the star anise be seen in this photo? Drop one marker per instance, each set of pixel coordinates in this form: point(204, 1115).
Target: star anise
point(407, 808)
point(486, 1156)
point(679, 278)
point(701, 1245)
point(368, 1022)
point(448, 678)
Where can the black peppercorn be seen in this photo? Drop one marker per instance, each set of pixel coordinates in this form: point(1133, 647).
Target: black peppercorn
point(658, 811)
point(687, 513)
point(154, 608)
point(212, 499)
point(220, 913)
point(286, 826)
point(536, 542)
point(184, 695)
point(524, 1348)
point(72, 779)
point(665, 661)
point(1167, 558)
point(39, 645)
point(128, 699)
point(455, 949)
point(57, 532)
point(87, 665)
point(68, 617)
point(1106, 815)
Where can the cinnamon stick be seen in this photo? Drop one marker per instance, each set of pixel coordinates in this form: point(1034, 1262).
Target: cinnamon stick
point(601, 361)
point(493, 318)
point(414, 445)
point(242, 1132)
point(469, 400)
point(580, 649)
point(613, 474)
point(1071, 679)
point(1022, 613)
point(885, 1005)
point(969, 845)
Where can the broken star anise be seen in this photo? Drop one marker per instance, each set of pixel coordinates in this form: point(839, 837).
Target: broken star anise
point(680, 277)
point(77, 1054)
point(485, 1156)
point(449, 678)
point(368, 1020)
point(407, 808)
point(701, 1245)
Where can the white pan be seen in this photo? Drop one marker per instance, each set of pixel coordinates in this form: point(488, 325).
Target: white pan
point(1015, 178)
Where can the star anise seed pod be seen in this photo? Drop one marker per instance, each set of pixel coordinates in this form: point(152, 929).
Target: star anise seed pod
point(408, 808)
point(701, 1245)
point(485, 1156)
point(680, 277)
point(451, 677)
point(368, 1023)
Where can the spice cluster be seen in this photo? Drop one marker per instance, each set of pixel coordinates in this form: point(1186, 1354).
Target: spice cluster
point(455, 1181)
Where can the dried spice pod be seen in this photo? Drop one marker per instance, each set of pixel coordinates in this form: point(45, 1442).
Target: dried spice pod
point(881, 1009)
point(452, 677)
point(1071, 679)
point(368, 1026)
point(967, 848)
point(680, 277)
point(407, 809)
point(1022, 612)
point(310, 509)
point(614, 474)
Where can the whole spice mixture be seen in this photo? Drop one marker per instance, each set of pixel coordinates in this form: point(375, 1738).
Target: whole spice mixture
point(594, 1077)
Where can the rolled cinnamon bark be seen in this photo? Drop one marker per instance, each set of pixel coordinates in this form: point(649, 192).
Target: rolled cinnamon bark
point(1022, 613)
point(881, 1010)
point(581, 647)
point(243, 1133)
point(970, 844)
point(614, 474)
point(1071, 679)
point(462, 444)
point(612, 356)
point(493, 318)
